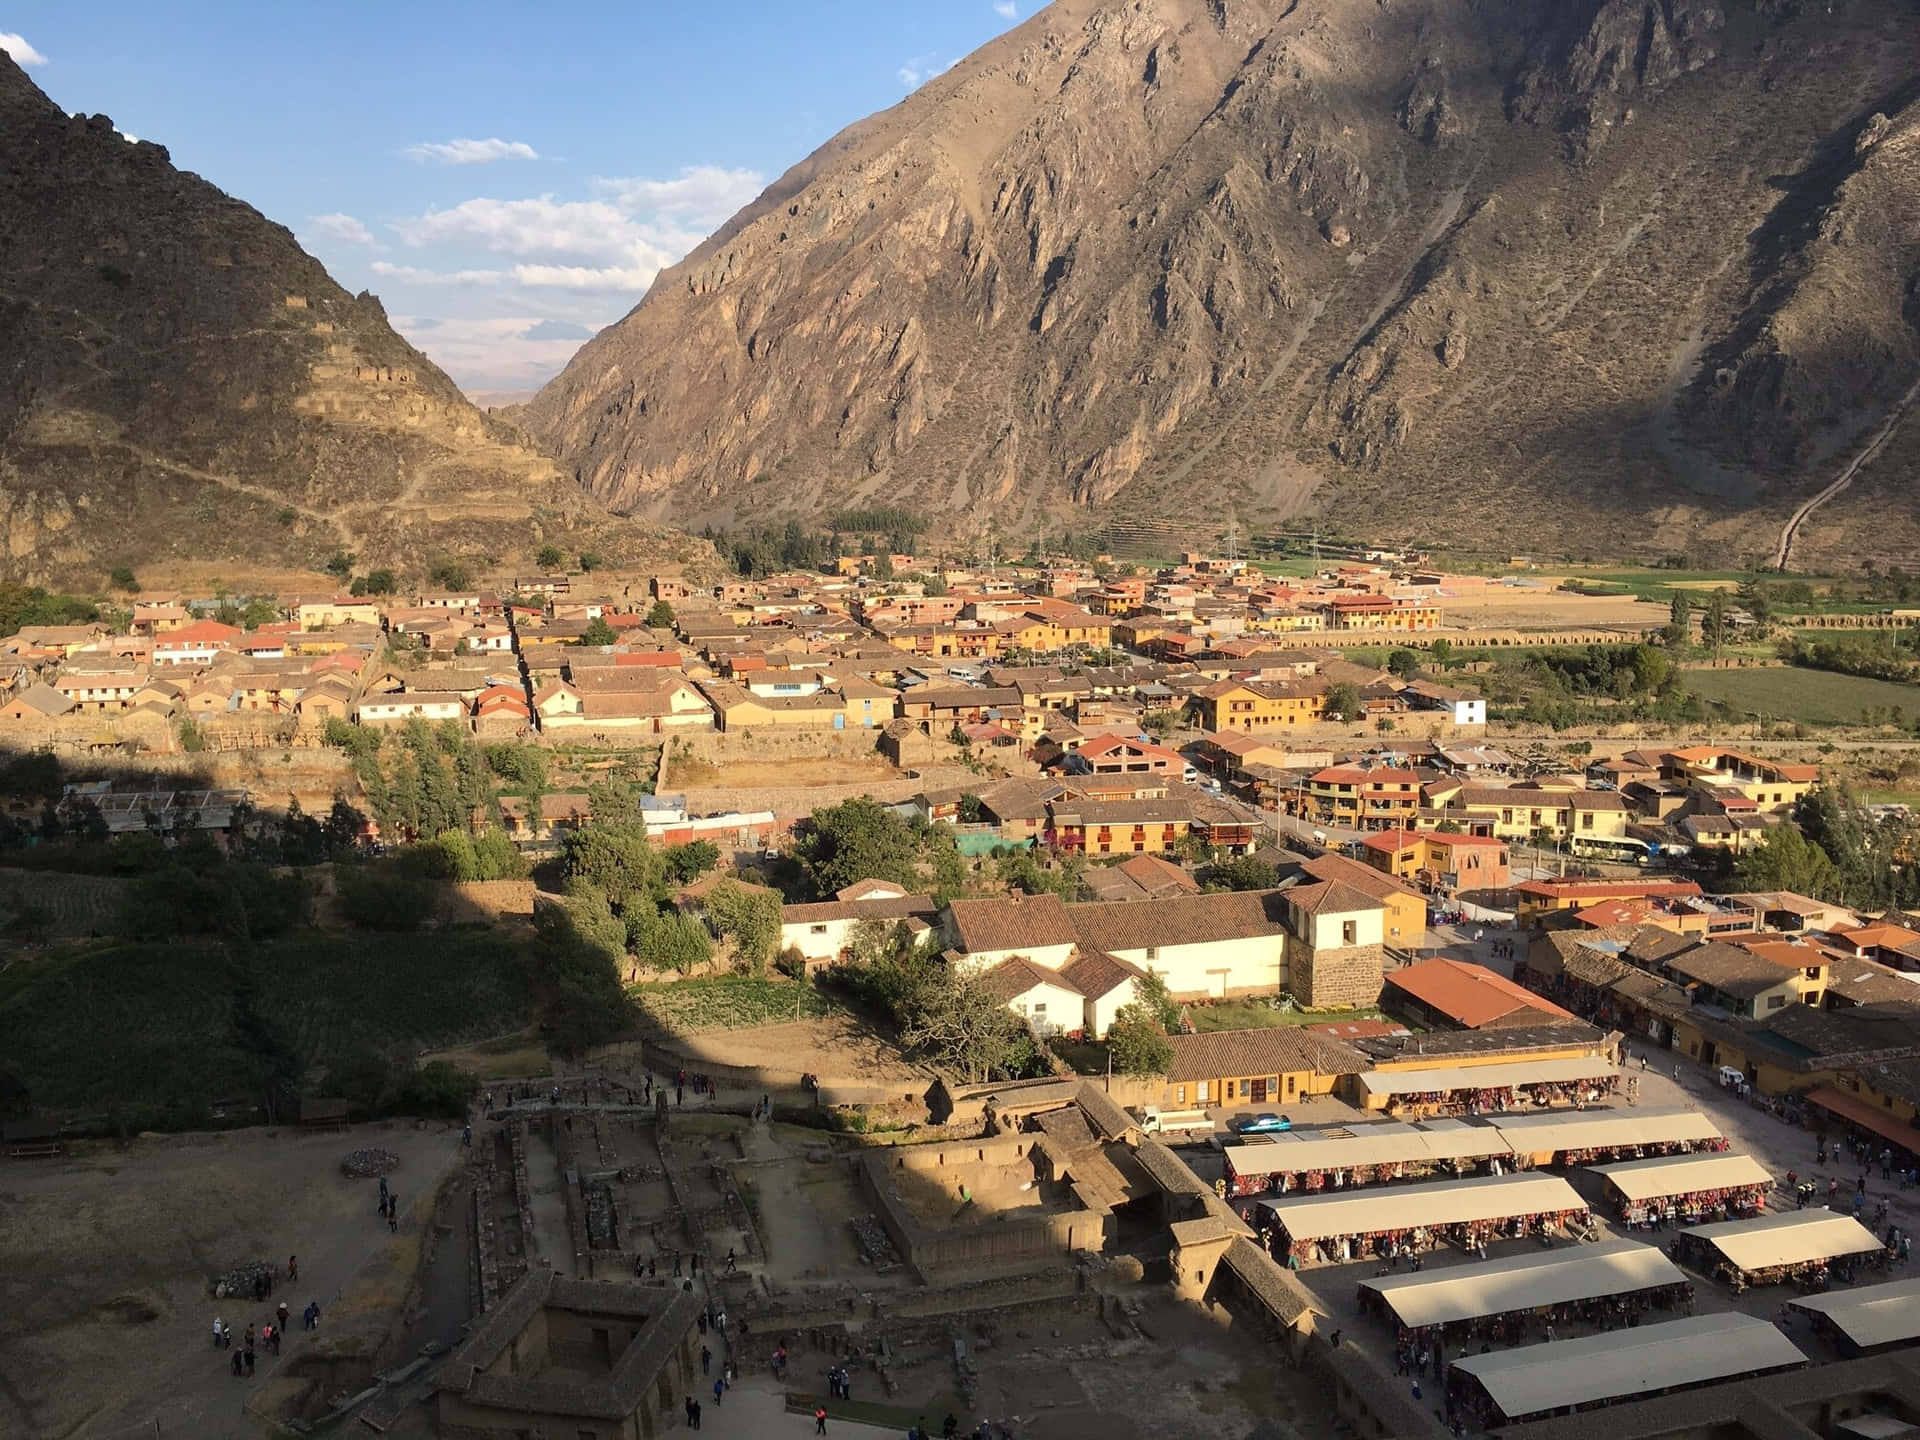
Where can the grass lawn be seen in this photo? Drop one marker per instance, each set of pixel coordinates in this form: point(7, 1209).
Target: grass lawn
point(157, 1031)
point(1811, 697)
point(728, 1002)
point(1242, 1015)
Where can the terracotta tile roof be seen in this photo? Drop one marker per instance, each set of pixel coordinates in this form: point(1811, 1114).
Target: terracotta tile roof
point(1364, 878)
point(1330, 897)
point(1469, 995)
point(1013, 978)
point(1095, 973)
point(1270, 1050)
point(1031, 921)
point(1181, 920)
point(879, 907)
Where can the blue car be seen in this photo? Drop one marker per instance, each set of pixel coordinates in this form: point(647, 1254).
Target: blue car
point(1263, 1124)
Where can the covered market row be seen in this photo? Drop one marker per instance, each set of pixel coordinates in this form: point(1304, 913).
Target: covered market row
point(1412, 1219)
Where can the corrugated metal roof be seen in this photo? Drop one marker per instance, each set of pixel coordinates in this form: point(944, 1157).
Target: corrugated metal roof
point(1693, 1351)
point(1487, 1077)
point(1524, 1282)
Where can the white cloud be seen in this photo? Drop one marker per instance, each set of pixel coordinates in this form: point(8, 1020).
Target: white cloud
point(1005, 9)
point(590, 229)
point(415, 275)
point(344, 229)
point(471, 152)
point(699, 193)
point(24, 54)
point(585, 277)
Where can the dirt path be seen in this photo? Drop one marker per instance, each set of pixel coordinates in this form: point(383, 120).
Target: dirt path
point(1859, 462)
point(105, 1319)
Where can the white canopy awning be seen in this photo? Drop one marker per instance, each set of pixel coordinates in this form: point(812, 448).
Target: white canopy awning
point(1872, 1315)
point(1378, 1142)
point(1551, 1132)
point(1402, 1207)
point(1524, 1282)
point(1623, 1363)
point(1682, 1174)
point(1486, 1077)
point(1792, 1237)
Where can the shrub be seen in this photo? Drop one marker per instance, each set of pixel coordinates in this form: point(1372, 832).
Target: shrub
point(383, 897)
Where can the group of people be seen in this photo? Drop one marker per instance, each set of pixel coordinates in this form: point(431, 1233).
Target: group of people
point(272, 1332)
point(1694, 1207)
point(389, 1206)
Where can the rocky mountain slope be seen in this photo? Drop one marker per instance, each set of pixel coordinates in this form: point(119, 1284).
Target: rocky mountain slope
point(178, 379)
point(1588, 276)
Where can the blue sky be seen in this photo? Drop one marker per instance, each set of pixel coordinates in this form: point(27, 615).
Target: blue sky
point(508, 178)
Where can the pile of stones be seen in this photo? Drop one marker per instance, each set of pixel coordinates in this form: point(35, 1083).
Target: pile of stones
point(365, 1164)
point(245, 1280)
point(876, 1246)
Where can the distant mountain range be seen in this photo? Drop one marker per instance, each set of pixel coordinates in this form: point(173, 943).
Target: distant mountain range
point(1607, 277)
point(179, 380)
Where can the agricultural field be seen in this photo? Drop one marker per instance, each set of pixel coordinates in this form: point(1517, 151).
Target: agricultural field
point(154, 1033)
point(81, 905)
point(728, 1002)
point(1809, 697)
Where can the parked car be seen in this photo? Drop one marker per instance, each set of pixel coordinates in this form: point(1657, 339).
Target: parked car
point(1265, 1123)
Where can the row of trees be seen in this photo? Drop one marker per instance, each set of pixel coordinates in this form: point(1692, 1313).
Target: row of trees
point(1838, 850)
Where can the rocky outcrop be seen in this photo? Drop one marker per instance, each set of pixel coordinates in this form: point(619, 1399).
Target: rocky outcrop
point(179, 380)
point(1436, 267)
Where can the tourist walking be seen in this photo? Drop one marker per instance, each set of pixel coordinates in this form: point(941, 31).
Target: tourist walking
point(293, 1267)
point(819, 1419)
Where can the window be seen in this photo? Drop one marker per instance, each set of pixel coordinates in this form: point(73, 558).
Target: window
point(1200, 1092)
point(1179, 1094)
point(1774, 1002)
point(1246, 1089)
point(1040, 1010)
point(1349, 932)
point(816, 929)
point(1153, 953)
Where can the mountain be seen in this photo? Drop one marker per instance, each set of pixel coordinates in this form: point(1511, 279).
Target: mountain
point(1618, 277)
point(179, 380)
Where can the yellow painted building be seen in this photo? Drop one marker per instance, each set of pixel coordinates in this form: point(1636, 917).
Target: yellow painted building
point(1247, 705)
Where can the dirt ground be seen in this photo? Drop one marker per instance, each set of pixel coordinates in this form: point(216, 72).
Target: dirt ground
point(800, 770)
point(835, 1047)
point(106, 1256)
point(1502, 607)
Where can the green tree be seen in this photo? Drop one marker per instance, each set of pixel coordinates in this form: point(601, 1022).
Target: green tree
point(381, 582)
point(748, 917)
point(1243, 872)
point(882, 568)
point(597, 633)
point(1343, 702)
point(518, 764)
point(1442, 651)
point(660, 616)
point(340, 564)
point(590, 561)
point(1155, 999)
point(192, 734)
point(450, 574)
point(549, 557)
point(687, 863)
point(962, 1025)
point(1136, 1043)
point(1679, 630)
point(122, 578)
point(1403, 663)
point(1713, 625)
point(617, 861)
point(1787, 860)
point(858, 839)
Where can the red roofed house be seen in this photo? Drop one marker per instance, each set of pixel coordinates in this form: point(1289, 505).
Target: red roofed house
point(1457, 862)
point(1453, 995)
point(1538, 897)
point(1117, 755)
point(196, 644)
point(1379, 799)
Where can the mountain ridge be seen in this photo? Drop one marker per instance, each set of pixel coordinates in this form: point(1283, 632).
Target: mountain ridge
point(180, 381)
point(1512, 272)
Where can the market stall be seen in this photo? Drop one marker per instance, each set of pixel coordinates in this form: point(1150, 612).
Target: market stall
point(1685, 1189)
point(1489, 1089)
point(1579, 1137)
point(1800, 1246)
point(1868, 1318)
point(1412, 1219)
point(1342, 1156)
point(1508, 1386)
point(1500, 1301)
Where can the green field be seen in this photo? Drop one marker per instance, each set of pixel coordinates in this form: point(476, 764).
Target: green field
point(81, 905)
point(728, 1002)
point(156, 1032)
point(1243, 1015)
point(1810, 697)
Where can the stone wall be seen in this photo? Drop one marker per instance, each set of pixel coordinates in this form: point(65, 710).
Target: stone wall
point(1335, 977)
